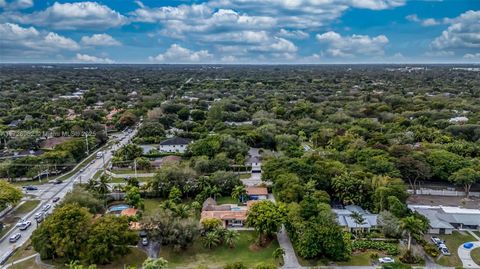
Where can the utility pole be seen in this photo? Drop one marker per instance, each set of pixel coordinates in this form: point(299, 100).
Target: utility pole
point(135, 166)
point(86, 142)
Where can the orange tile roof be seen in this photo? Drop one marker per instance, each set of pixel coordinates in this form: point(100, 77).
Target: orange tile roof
point(129, 212)
point(135, 226)
point(257, 191)
point(251, 202)
point(225, 215)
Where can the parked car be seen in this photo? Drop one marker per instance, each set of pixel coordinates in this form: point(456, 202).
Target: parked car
point(46, 207)
point(25, 225)
point(437, 240)
point(386, 260)
point(440, 246)
point(14, 238)
point(144, 241)
point(445, 251)
point(30, 188)
point(56, 199)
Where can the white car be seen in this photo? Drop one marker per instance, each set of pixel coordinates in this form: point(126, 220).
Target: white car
point(25, 225)
point(445, 251)
point(46, 207)
point(144, 241)
point(14, 238)
point(386, 260)
point(20, 222)
point(436, 240)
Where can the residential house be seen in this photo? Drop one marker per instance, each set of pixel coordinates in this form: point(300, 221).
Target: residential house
point(229, 215)
point(257, 193)
point(344, 218)
point(157, 163)
point(444, 219)
point(175, 144)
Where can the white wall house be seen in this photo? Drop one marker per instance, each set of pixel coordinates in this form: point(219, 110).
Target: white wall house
point(175, 144)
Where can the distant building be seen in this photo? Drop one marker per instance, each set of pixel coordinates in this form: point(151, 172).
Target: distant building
point(175, 144)
point(444, 219)
point(345, 220)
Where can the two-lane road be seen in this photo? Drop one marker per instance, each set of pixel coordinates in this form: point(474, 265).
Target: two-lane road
point(48, 191)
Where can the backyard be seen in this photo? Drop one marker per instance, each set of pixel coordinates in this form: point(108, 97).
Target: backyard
point(245, 251)
point(476, 255)
point(453, 241)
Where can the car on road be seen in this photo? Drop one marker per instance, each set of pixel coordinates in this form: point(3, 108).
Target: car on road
point(55, 199)
point(14, 238)
point(386, 260)
point(20, 222)
point(25, 225)
point(46, 207)
point(30, 188)
point(144, 241)
point(58, 181)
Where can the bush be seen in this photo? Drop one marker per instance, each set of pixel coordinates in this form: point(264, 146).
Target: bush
point(431, 250)
point(389, 248)
point(235, 265)
point(374, 256)
point(265, 266)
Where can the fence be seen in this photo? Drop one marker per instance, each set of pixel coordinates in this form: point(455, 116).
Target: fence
point(424, 191)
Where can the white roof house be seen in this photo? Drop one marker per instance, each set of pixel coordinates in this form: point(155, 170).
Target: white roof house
point(344, 218)
point(443, 219)
point(175, 144)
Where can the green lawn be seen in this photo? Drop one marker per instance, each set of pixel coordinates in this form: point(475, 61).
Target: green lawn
point(477, 233)
point(453, 241)
point(151, 205)
point(28, 264)
point(135, 258)
point(122, 179)
point(24, 251)
point(358, 259)
point(226, 200)
point(245, 176)
point(131, 171)
point(198, 255)
point(27, 207)
point(476, 255)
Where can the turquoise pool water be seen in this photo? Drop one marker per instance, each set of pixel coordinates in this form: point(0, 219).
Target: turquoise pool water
point(118, 207)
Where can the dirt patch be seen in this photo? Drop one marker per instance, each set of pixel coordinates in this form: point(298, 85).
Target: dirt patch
point(472, 202)
point(54, 141)
point(256, 247)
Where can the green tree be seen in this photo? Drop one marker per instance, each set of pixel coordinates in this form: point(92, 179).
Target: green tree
point(230, 237)
point(63, 234)
point(133, 197)
point(358, 219)
point(158, 263)
point(239, 193)
point(9, 194)
point(466, 177)
point(353, 188)
point(84, 198)
point(445, 163)
point(108, 238)
point(266, 218)
point(175, 195)
point(211, 239)
point(412, 226)
point(143, 163)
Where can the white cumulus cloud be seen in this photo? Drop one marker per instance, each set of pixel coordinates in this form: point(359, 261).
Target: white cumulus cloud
point(351, 46)
point(78, 15)
point(178, 54)
point(463, 32)
point(92, 59)
point(100, 40)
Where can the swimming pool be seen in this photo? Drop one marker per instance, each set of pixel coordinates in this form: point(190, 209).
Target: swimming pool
point(118, 207)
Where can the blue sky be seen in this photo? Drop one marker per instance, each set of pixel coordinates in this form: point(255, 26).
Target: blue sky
point(240, 31)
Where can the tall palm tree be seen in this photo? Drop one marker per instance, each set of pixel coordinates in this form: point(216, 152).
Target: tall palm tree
point(102, 185)
point(412, 226)
point(239, 193)
point(231, 237)
point(357, 218)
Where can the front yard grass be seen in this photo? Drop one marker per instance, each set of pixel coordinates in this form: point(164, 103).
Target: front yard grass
point(476, 255)
point(135, 258)
point(150, 205)
point(27, 207)
point(226, 200)
point(197, 255)
point(453, 241)
point(28, 264)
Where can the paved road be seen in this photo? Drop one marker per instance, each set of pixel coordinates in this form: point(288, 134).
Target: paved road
point(48, 191)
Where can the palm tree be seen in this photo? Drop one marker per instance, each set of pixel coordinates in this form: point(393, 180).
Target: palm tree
point(182, 210)
point(412, 226)
point(357, 218)
point(211, 240)
point(239, 192)
point(102, 185)
point(231, 237)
